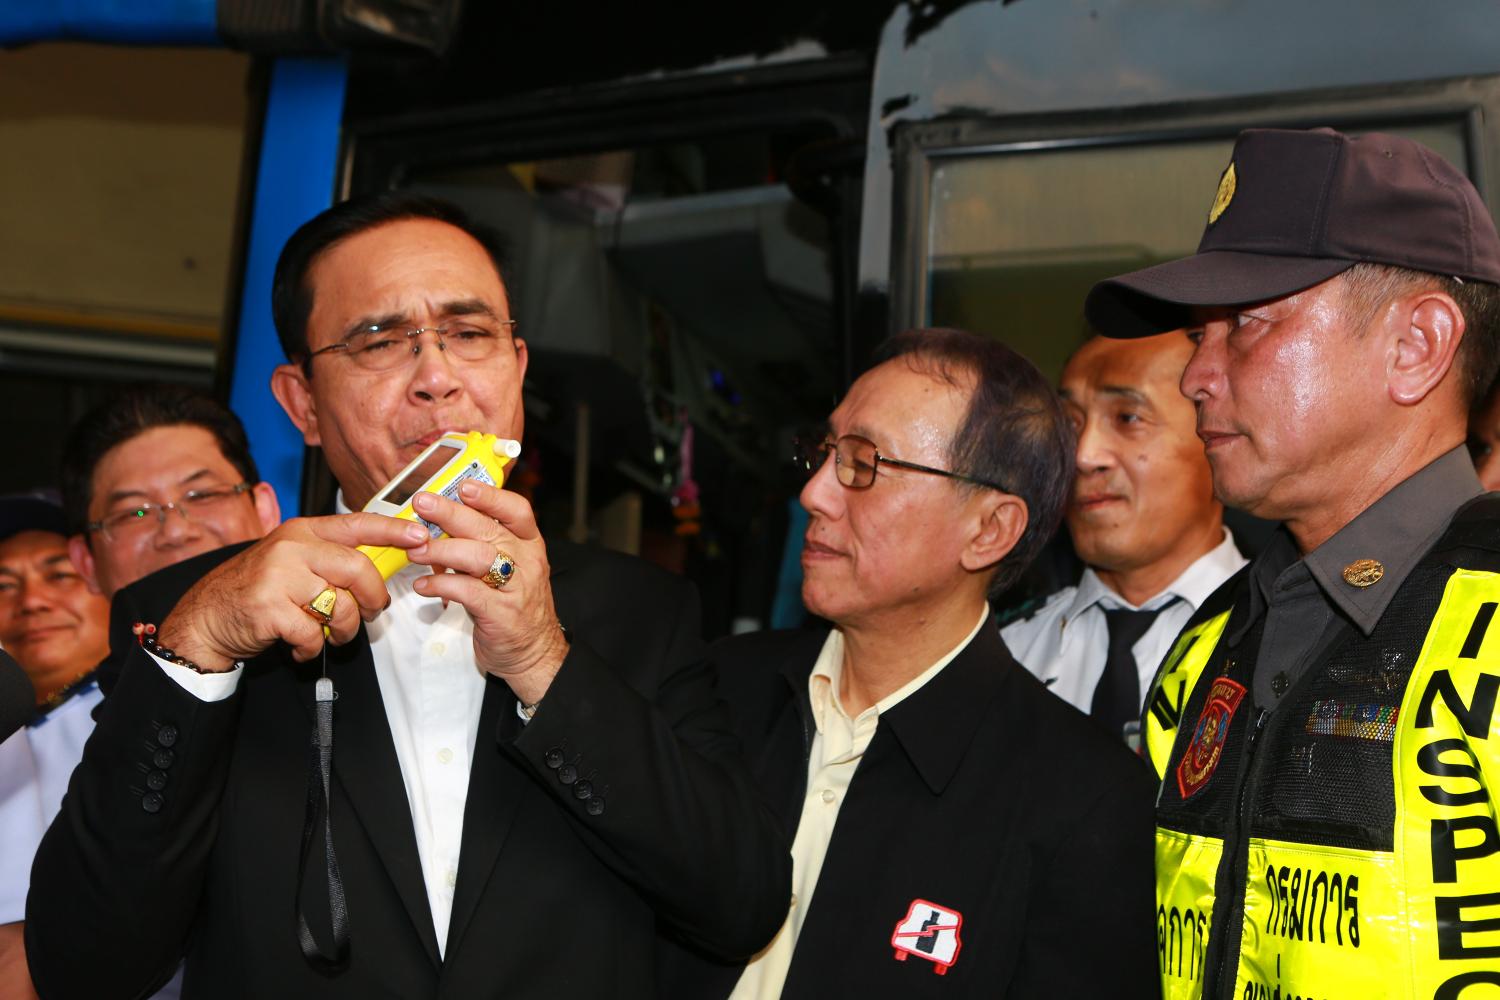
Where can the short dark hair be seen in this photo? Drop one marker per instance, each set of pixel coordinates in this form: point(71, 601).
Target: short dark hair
point(135, 411)
point(1369, 286)
point(292, 297)
point(1015, 431)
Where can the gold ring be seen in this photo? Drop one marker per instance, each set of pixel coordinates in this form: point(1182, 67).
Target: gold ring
point(321, 607)
point(500, 571)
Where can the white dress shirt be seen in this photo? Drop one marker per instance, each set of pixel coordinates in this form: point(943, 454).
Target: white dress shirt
point(433, 691)
point(837, 747)
point(1065, 643)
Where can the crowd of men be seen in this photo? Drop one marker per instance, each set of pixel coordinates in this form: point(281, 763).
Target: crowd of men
point(513, 769)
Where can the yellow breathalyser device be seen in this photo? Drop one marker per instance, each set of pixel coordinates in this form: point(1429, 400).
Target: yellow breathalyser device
point(446, 463)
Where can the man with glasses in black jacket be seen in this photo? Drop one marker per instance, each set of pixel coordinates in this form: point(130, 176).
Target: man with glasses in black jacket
point(958, 830)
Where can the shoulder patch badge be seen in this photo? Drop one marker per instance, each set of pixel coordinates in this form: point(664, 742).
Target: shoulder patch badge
point(1224, 196)
point(1207, 746)
point(928, 931)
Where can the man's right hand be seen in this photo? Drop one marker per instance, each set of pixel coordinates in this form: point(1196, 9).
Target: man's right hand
point(260, 596)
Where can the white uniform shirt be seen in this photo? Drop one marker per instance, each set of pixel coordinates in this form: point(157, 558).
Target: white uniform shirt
point(433, 691)
point(837, 747)
point(35, 764)
point(1065, 643)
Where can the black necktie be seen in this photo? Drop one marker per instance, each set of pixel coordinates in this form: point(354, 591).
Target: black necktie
point(1117, 699)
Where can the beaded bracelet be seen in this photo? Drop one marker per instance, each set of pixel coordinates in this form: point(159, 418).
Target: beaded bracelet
point(145, 635)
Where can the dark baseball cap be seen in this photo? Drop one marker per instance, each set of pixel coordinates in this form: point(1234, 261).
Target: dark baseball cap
point(39, 510)
point(1295, 208)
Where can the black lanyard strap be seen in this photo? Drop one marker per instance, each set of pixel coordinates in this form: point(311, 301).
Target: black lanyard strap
point(328, 945)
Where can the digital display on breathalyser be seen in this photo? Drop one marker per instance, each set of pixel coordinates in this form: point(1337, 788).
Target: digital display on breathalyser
point(402, 491)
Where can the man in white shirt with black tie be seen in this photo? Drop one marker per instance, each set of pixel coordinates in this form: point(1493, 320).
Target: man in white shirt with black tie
point(1143, 519)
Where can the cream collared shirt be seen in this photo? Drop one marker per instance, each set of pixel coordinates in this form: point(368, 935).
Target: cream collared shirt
point(837, 746)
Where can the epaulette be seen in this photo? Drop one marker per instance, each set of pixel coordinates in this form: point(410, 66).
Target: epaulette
point(1020, 612)
point(61, 697)
point(1475, 526)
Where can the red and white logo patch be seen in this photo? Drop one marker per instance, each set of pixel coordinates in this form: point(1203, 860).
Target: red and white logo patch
point(1207, 745)
point(929, 931)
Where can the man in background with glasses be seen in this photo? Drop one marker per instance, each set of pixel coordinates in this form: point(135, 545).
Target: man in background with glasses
point(506, 806)
point(151, 476)
point(157, 474)
point(951, 817)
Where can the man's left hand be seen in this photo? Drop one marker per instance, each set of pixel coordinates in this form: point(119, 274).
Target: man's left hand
point(517, 636)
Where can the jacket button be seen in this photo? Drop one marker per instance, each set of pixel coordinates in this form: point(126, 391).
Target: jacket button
point(583, 789)
point(156, 780)
point(152, 802)
point(167, 735)
point(163, 758)
point(567, 774)
point(1280, 683)
point(594, 806)
point(553, 758)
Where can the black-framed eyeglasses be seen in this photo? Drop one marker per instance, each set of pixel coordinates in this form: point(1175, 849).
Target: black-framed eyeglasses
point(144, 517)
point(855, 460)
point(386, 348)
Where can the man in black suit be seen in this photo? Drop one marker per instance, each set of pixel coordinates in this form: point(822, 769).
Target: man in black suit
point(959, 831)
point(516, 808)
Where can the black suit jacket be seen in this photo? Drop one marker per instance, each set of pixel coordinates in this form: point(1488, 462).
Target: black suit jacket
point(981, 793)
point(557, 896)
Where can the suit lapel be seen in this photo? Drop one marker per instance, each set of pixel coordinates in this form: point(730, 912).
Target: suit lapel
point(496, 787)
point(365, 764)
point(495, 792)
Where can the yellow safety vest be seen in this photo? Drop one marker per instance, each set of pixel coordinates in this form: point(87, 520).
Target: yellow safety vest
point(1326, 923)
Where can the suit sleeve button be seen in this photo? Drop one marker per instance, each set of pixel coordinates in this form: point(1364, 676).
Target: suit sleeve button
point(553, 758)
point(595, 806)
point(152, 802)
point(156, 780)
point(567, 774)
point(167, 735)
point(163, 758)
point(583, 789)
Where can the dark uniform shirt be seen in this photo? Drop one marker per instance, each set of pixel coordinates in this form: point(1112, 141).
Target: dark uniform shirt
point(1308, 605)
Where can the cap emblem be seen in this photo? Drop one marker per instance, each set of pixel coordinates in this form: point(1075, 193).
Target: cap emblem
point(1363, 573)
point(1225, 195)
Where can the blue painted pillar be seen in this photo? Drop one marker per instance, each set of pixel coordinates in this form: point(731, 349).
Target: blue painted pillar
point(294, 181)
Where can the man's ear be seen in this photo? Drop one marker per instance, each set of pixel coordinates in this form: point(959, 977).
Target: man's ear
point(267, 507)
point(83, 561)
point(1425, 331)
point(1001, 522)
point(289, 386)
point(522, 357)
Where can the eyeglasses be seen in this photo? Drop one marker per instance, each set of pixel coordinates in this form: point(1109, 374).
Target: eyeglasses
point(144, 518)
point(380, 348)
point(855, 459)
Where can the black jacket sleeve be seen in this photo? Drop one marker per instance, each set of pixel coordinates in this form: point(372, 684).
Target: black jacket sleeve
point(655, 782)
point(122, 866)
point(1095, 897)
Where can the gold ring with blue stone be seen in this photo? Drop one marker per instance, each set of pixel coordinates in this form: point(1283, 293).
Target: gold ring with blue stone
point(500, 571)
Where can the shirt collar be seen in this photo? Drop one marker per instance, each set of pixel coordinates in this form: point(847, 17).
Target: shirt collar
point(1192, 586)
point(827, 673)
point(1396, 531)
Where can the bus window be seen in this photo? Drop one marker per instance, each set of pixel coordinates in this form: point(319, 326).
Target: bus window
point(1015, 236)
